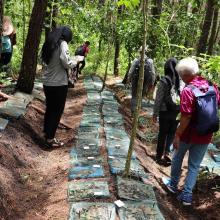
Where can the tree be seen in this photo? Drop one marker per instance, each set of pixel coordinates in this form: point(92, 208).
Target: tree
point(202, 45)
point(139, 92)
point(29, 60)
point(213, 31)
point(1, 19)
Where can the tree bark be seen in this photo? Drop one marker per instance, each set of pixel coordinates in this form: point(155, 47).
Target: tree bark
point(157, 8)
point(202, 45)
point(139, 93)
point(29, 60)
point(1, 21)
point(213, 31)
point(117, 52)
point(124, 81)
point(117, 46)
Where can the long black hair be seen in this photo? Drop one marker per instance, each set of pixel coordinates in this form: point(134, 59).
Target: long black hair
point(54, 40)
point(169, 70)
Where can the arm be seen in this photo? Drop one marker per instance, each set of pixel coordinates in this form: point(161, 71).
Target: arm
point(153, 70)
point(184, 122)
point(65, 56)
point(131, 70)
point(161, 91)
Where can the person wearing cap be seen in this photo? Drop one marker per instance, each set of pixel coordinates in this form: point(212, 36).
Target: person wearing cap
point(8, 41)
point(133, 76)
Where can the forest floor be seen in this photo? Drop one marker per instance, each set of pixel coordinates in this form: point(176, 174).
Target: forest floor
point(33, 181)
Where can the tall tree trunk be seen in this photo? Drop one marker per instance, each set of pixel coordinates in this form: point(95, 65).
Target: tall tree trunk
point(117, 45)
point(29, 60)
point(1, 21)
point(206, 27)
point(117, 52)
point(213, 31)
point(139, 92)
point(124, 81)
point(153, 37)
point(156, 8)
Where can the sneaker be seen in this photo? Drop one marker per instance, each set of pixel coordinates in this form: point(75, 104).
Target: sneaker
point(185, 198)
point(167, 182)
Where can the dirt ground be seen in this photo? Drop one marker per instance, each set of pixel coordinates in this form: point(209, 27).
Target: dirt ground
point(33, 181)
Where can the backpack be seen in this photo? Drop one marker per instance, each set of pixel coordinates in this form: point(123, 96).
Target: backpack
point(80, 51)
point(172, 99)
point(6, 44)
point(148, 71)
point(207, 120)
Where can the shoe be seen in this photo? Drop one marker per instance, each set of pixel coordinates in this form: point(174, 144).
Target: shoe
point(171, 188)
point(185, 198)
point(54, 143)
point(167, 159)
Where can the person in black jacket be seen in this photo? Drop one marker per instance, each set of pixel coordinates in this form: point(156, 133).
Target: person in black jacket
point(166, 111)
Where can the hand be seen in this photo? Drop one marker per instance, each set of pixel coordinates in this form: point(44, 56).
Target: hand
point(176, 142)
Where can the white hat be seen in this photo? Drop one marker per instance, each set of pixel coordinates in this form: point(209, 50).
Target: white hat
point(7, 26)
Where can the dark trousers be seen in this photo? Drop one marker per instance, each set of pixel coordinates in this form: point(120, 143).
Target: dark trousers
point(167, 129)
point(5, 58)
point(81, 65)
point(55, 103)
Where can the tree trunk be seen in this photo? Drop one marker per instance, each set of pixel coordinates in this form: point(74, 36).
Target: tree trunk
point(1, 20)
point(153, 37)
point(29, 60)
point(139, 92)
point(157, 8)
point(117, 46)
point(213, 31)
point(206, 27)
point(124, 81)
point(117, 52)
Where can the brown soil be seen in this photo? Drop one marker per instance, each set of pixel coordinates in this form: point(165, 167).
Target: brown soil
point(33, 181)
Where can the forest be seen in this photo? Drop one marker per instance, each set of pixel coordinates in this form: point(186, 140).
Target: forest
point(33, 181)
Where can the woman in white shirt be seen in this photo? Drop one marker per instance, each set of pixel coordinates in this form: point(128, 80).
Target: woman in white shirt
point(56, 57)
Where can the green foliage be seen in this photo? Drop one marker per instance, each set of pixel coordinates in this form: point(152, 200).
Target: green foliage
point(130, 4)
point(174, 33)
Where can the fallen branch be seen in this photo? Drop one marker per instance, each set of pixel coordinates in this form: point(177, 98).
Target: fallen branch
point(41, 111)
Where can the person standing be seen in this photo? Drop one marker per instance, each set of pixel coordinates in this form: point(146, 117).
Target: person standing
point(56, 57)
point(133, 76)
point(8, 41)
point(199, 119)
point(82, 50)
point(166, 108)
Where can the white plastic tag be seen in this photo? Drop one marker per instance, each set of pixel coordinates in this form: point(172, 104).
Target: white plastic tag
point(119, 203)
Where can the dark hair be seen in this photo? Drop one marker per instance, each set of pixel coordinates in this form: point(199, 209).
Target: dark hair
point(169, 70)
point(53, 41)
point(87, 42)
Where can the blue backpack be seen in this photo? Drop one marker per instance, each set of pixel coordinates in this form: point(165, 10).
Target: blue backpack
point(6, 45)
point(207, 120)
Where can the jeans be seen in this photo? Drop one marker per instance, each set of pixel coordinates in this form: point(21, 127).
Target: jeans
point(196, 154)
point(167, 129)
point(55, 103)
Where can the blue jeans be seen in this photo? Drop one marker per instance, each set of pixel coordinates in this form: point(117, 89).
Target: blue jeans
point(196, 154)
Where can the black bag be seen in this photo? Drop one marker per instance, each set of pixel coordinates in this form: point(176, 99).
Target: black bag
point(148, 72)
point(80, 51)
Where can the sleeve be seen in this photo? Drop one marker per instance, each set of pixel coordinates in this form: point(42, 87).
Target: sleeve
point(161, 91)
point(217, 94)
point(65, 56)
point(153, 70)
point(132, 68)
point(187, 101)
